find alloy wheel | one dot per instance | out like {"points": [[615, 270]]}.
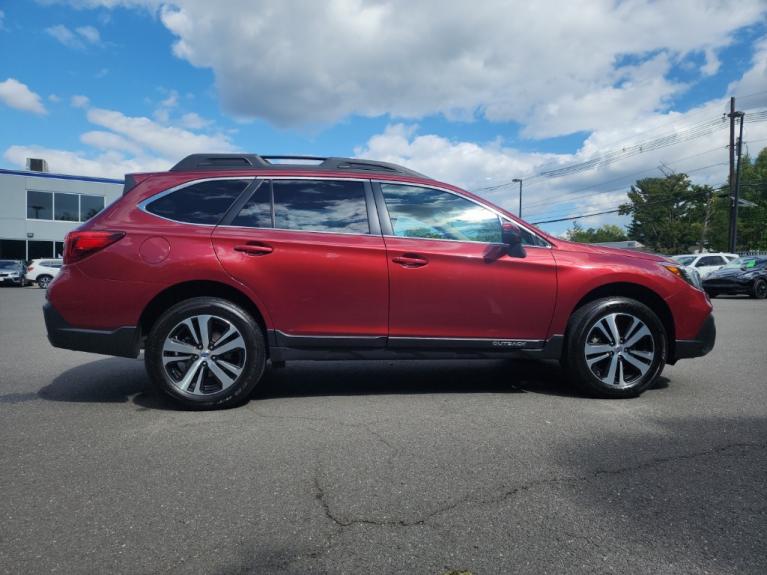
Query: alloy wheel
{"points": [[203, 354], [619, 350]]}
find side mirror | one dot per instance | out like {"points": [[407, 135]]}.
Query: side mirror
{"points": [[511, 235]]}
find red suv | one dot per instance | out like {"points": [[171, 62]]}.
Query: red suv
{"points": [[227, 261]]}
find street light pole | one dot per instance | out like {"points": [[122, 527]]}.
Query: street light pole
{"points": [[519, 213]]}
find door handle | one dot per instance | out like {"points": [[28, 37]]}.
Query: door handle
{"points": [[254, 249], [410, 261]]}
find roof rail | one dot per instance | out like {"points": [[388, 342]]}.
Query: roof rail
{"points": [[209, 162]]}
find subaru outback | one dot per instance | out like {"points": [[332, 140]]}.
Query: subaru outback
{"points": [[227, 263]]}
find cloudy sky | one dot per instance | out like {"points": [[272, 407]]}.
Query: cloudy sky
{"points": [[473, 93]]}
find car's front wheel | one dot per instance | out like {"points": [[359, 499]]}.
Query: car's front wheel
{"points": [[760, 289], [206, 353], [615, 347]]}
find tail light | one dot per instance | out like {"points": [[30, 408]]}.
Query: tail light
{"points": [[29, 268], [79, 245]]}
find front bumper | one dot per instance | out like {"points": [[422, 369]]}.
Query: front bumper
{"points": [[701, 345], [728, 286], [123, 341], [8, 280]]}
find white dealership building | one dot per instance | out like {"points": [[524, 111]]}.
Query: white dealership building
{"points": [[38, 208]]}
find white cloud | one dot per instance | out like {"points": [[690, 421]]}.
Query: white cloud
{"points": [[17, 95], [752, 86], [79, 101], [319, 62], [123, 144], [712, 63], [555, 67], [53, 98], [2, 20], [78, 39], [109, 141], [194, 121], [171, 101], [107, 165], [90, 34], [167, 141]]}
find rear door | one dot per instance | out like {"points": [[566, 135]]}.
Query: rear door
{"points": [[311, 249], [453, 281]]}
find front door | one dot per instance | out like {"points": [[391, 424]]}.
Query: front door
{"points": [[310, 252], [451, 278]]}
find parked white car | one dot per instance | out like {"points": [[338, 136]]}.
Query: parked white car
{"points": [[43, 271], [705, 263]]}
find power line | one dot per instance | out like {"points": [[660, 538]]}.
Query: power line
{"points": [[693, 132], [616, 210], [583, 197], [665, 200], [575, 193], [614, 155]]}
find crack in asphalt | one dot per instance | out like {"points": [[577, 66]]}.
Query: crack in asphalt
{"points": [[321, 494]]}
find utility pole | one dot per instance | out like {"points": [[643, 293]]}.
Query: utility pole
{"points": [[519, 213], [737, 186], [733, 202], [706, 219]]}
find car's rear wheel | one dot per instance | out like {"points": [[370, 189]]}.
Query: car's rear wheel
{"points": [[615, 348], [206, 353], [44, 281], [760, 289], [712, 294]]}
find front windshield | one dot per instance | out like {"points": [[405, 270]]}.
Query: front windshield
{"points": [[9, 265], [745, 263], [684, 260]]}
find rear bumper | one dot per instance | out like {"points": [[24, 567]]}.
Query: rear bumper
{"points": [[123, 341], [701, 345]]}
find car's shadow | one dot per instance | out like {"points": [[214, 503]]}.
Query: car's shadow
{"points": [[117, 380]]}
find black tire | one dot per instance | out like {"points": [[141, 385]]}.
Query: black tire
{"points": [[202, 392], [759, 291], [712, 294], [43, 281], [582, 325]]}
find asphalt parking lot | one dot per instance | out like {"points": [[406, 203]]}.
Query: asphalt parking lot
{"points": [[413, 467]]}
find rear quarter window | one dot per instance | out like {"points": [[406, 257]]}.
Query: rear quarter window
{"points": [[200, 203]]}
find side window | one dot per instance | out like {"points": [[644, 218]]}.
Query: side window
{"points": [[530, 239], [320, 206], [417, 212], [709, 261], [257, 211], [201, 203]]}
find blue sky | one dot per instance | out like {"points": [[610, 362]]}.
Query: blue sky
{"points": [[474, 96]]}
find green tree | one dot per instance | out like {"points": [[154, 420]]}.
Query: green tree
{"points": [[667, 214], [752, 220], [605, 233]]}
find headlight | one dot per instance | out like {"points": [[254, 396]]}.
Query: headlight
{"points": [[750, 275], [690, 275]]}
